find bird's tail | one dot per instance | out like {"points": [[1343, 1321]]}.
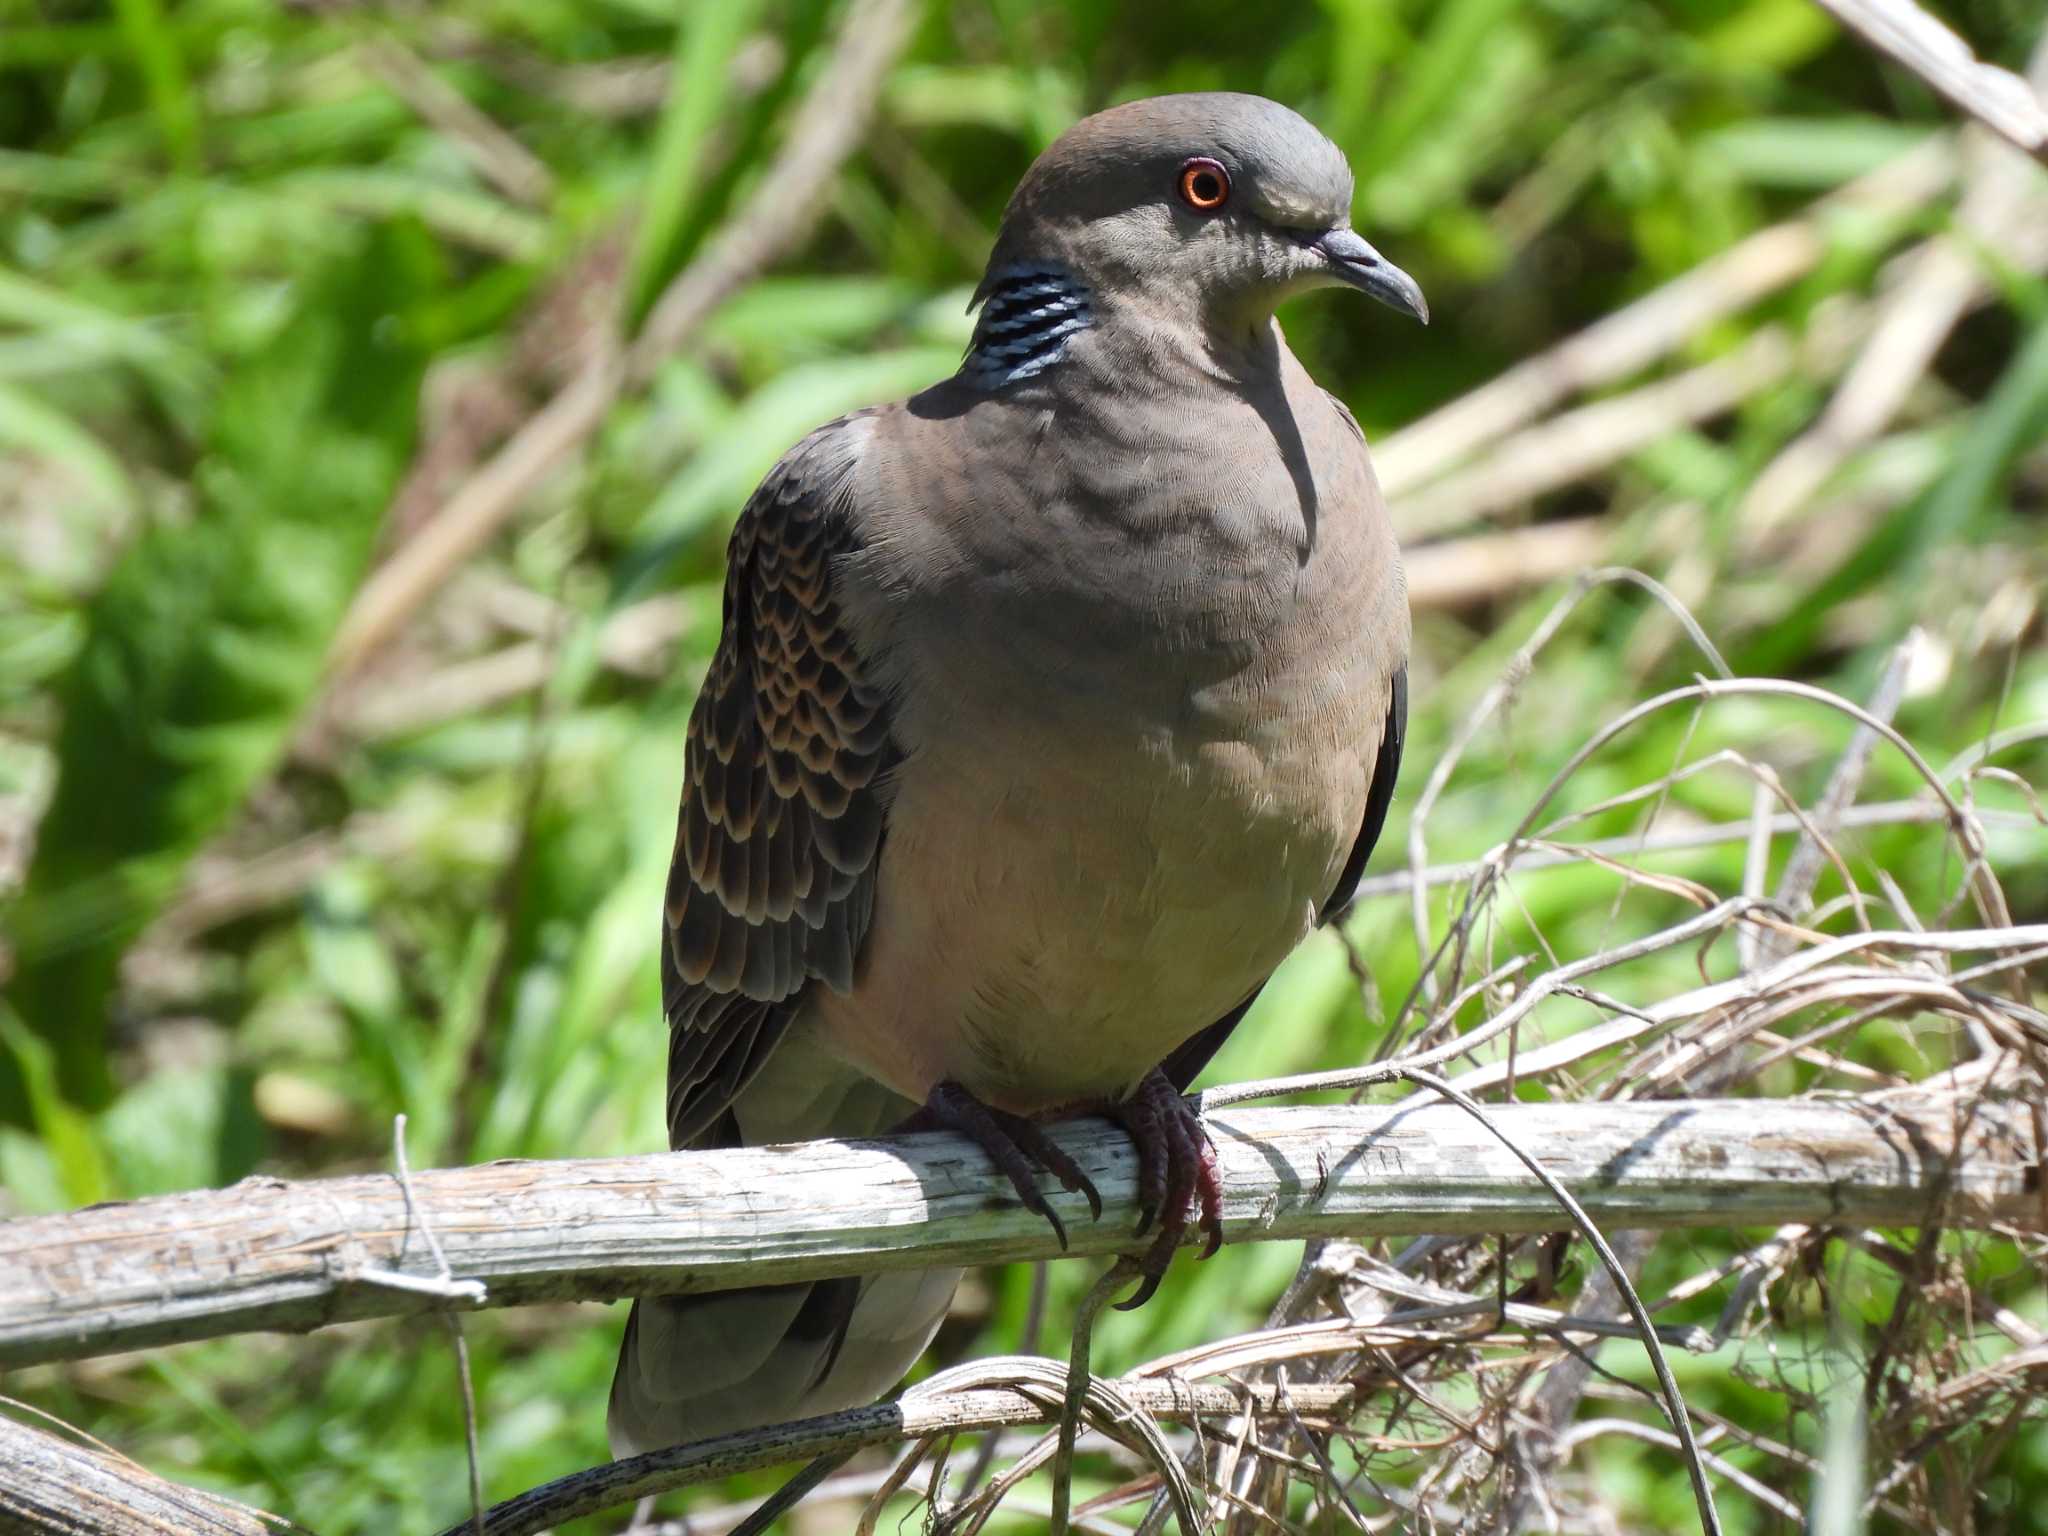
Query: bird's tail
{"points": [[696, 1366]]}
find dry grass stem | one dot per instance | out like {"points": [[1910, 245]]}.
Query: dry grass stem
{"points": [[782, 208], [1998, 98]]}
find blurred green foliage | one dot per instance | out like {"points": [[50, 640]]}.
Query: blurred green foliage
{"points": [[234, 242]]}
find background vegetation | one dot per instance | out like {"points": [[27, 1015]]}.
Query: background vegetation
{"points": [[276, 279]]}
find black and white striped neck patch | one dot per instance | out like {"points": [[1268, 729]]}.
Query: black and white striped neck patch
{"points": [[1026, 321]]}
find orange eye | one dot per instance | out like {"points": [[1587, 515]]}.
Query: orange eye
{"points": [[1204, 184]]}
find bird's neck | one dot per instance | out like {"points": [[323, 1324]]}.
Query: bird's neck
{"points": [[1031, 312]]}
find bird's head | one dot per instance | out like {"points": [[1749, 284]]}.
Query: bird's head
{"points": [[1218, 203]]}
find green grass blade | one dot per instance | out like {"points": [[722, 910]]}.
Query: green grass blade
{"points": [[66, 1133], [699, 99], [156, 53]]}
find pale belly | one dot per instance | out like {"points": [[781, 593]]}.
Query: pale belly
{"points": [[1049, 928]]}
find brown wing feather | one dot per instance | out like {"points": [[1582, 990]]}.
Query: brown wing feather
{"points": [[784, 784]]}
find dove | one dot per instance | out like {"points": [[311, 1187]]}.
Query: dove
{"points": [[1053, 708]]}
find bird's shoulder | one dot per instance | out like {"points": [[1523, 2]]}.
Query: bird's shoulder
{"points": [[812, 488]]}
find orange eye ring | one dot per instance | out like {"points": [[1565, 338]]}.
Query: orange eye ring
{"points": [[1204, 184]]}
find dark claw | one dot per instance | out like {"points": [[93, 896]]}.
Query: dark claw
{"points": [[1140, 1118], [1050, 1155], [1178, 1176], [1034, 1201], [1153, 1267], [1017, 1146], [1030, 1139], [1152, 1274]]}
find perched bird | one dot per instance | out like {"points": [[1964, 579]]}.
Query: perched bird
{"points": [[1054, 706]]}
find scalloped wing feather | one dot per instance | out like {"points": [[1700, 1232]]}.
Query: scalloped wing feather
{"points": [[784, 783]]}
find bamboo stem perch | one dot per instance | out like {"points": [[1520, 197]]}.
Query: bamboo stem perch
{"points": [[271, 1254]]}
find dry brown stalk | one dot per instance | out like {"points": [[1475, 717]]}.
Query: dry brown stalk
{"points": [[782, 209], [1933, 286], [53, 1486], [1570, 447], [1996, 97], [499, 157], [953, 1402], [1482, 567], [1654, 326]]}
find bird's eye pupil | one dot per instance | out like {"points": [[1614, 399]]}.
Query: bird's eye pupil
{"points": [[1204, 184]]}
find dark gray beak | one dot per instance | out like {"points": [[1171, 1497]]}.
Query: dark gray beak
{"points": [[1353, 261]]}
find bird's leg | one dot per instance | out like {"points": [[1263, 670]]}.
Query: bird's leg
{"points": [[1017, 1146], [1177, 1174]]}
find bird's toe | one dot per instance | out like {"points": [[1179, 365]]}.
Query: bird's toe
{"points": [[1018, 1147], [1179, 1178]]}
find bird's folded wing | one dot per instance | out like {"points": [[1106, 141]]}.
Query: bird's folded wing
{"points": [[772, 884], [1379, 799]]}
